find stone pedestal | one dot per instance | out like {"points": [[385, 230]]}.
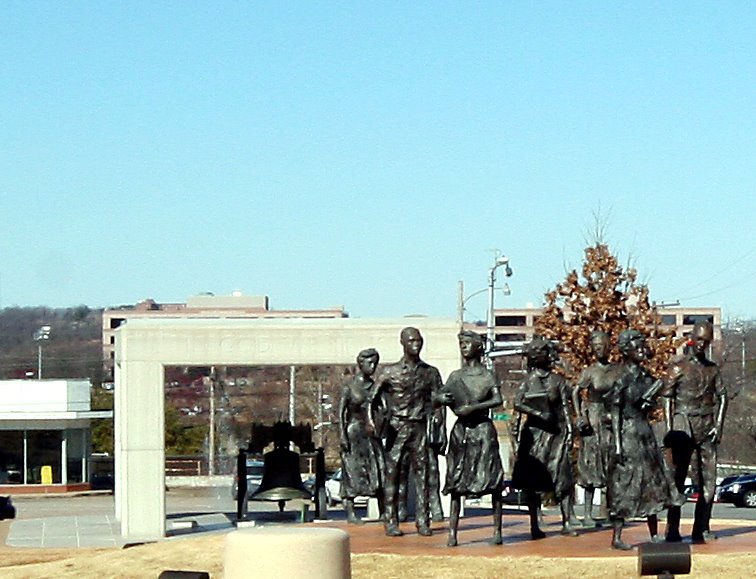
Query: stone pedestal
{"points": [[276, 552]]}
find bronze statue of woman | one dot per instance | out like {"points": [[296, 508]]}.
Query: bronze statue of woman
{"points": [[591, 399], [361, 453], [543, 461], [639, 485], [473, 466]]}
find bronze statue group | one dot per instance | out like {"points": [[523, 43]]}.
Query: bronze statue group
{"points": [[393, 422]]}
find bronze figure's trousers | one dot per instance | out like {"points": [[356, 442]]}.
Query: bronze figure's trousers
{"points": [[434, 487], [408, 439], [704, 454]]}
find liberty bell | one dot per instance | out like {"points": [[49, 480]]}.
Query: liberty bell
{"points": [[281, 480]]}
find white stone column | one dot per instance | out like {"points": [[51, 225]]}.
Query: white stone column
{"points": [[140, 484], [63, 458]]}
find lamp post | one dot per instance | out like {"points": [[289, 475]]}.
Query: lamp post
{"points": [[499, 261], [43, 333]]}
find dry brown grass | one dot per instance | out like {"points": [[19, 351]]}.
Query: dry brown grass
{"points": [[206, 553]]}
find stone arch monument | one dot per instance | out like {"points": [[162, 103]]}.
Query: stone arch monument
{"points": [[145, 346]]}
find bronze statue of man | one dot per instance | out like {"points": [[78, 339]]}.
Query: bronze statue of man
{"points": [[591, 398], [695, 404], [409, 386]]}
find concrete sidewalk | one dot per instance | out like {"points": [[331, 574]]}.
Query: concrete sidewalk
{"points": [[65, 532], [100, 530]]}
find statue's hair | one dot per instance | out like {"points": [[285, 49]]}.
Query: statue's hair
{"points": [[474, 336], [406, 331], [626, 338], [368, 353], [539, 344]]}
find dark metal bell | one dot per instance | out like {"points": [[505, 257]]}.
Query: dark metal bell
{"points": [[281, 480]]}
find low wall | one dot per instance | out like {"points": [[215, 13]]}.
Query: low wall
{"points": [[199, 481]]}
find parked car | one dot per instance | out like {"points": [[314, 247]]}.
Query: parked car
{"points": [[254, 477], [7, 510], [741, 492], [333, 491], [100, 481], [727, 480], [512, 496]]}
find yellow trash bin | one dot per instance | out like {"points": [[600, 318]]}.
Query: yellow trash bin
{"points": [[46, 475]]}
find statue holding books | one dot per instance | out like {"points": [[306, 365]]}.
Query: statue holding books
{"points": [[543, 461]]}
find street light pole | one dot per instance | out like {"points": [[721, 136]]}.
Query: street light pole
{"points": [[43, 333], [501, 260]]}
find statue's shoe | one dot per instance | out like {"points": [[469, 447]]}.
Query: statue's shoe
{"points": [[424, 531], [393, 531]]}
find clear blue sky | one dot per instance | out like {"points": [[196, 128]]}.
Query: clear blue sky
{"points": [[371, 154]]}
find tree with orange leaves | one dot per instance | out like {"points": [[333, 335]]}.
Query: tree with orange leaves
{"points": [[603, 297]]}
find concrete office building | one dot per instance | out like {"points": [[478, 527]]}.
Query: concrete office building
{"points": [[513, 325]]}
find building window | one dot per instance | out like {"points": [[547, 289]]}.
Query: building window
{"points": [[76, 454], [511, 321], [11, 457], [690, 319], [669, 320], [116, 322], [511, 337], [43, 449]]}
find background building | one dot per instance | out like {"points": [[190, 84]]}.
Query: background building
{"points": [[514, 326], [45, 441]]}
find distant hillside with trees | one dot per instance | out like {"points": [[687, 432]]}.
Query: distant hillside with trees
{"points": [[73, 349]]}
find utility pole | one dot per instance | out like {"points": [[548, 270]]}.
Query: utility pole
{"points": [[211, 453], [321, 402], [292, 393], [461, 304]]}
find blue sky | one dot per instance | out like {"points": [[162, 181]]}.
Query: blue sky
{"points": [[373, 154]]}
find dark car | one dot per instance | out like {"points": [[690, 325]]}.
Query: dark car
{"points": [[512, 496], [101, 481], [7, 510], [741, 492]]}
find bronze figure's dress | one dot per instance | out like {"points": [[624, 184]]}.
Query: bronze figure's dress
{"points": [[361, 463], [543, 453], [596, 445], [473, 461], [639, 482]]}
